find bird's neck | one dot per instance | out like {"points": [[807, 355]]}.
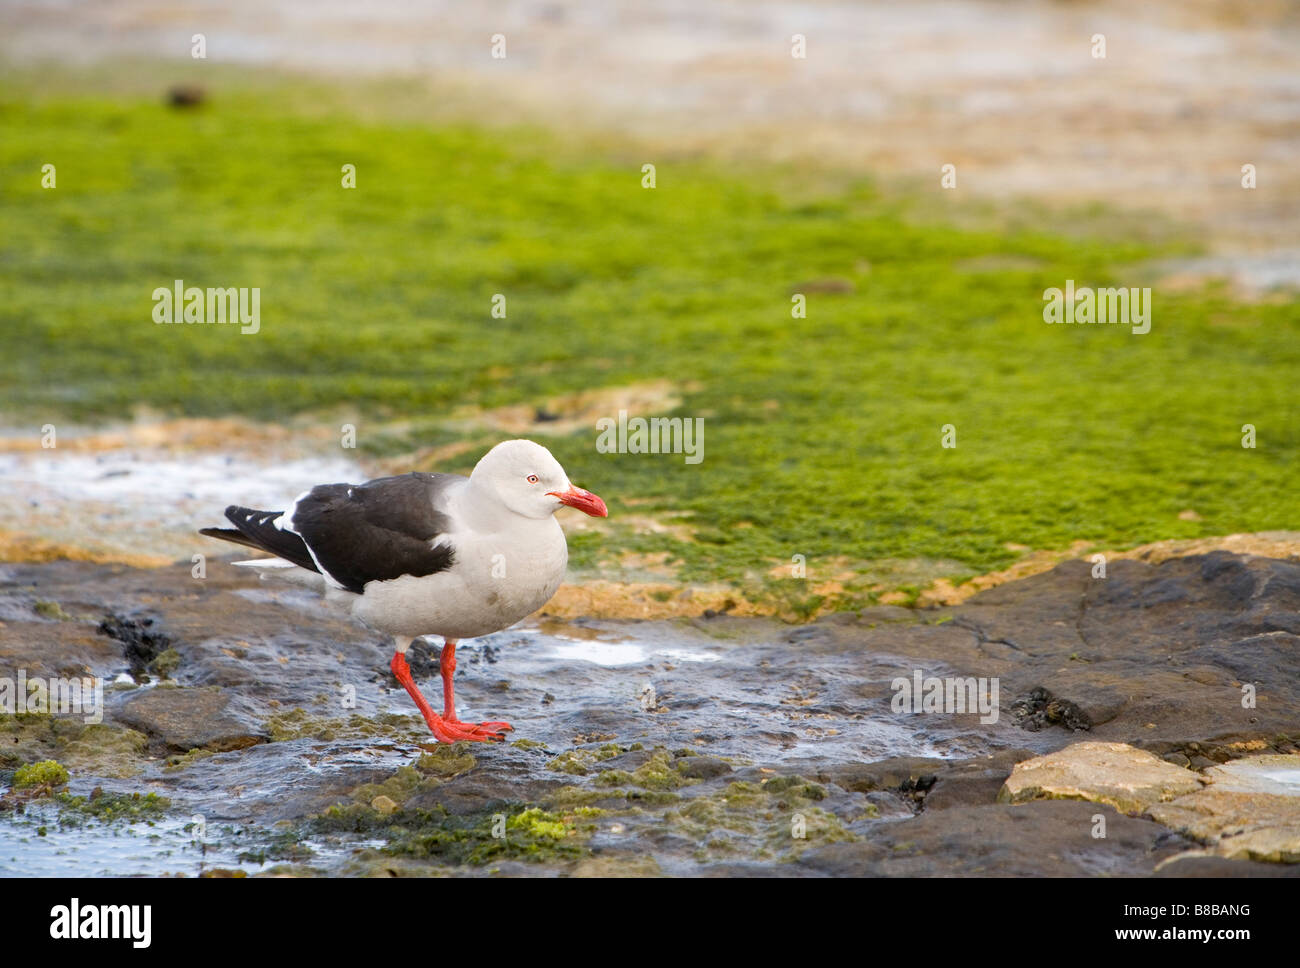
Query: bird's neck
{"points": [[478, 508]]}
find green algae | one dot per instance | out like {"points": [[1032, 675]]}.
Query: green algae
{"points": [[702, 274], [447, 759], [285, 846], [165, 663], [576, 762], [577, 797], [298, 723], [98, 749], [515, 833], [777, 818], [110, 807], [181, 761], [400, 787], [579, 761], [657, 773], [52, 610], [44, 773]]}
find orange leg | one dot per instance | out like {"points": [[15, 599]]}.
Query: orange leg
{"points": [[443, 731], [447, 666]]}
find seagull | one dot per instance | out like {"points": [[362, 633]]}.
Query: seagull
{"points": [[428, 554]]}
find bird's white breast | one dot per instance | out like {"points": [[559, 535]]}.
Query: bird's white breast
{"points": [[497, 578]]}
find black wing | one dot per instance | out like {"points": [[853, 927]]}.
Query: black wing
{"points": [[376, 531]]}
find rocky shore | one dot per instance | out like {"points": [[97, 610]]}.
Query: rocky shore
{"points": [[1145, 723]]}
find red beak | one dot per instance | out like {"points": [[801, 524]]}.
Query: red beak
{"points": [[584, 501]]}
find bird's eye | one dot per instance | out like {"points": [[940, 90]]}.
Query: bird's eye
{"points": [[532, 478]]}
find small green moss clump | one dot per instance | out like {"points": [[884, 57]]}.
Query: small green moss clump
{"points": [[108, 807], [398, 788], [166, 662], [181, 761], [795, 786], [537, 823], [45, 773], [447, 759], [656, 773], [575, 762], [52, 610]]}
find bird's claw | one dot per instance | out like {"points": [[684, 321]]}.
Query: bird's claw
{"points": [[490, 731], [453, 731]]}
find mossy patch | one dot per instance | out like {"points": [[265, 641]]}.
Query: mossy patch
{"points": [[579, 761], [298, 723], [285, 846], [45, 773], [98, 749], [777, 818], [447, 759], [51, 610], [398, 788], [166, 663], [572, 797], [111, 807], [517, 833], [657, 773], [181, 761]]}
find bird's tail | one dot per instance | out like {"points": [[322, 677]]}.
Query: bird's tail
{"points": [[256, 529]]}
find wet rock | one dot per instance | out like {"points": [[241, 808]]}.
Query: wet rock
{"points": [[887, 613], [1025, 840], [1254, 826], [788, 725], [702, 767], [974, 783], [1251, 810], [141, 642], [1279, 774], [1200, 864], [186, 719], [888, 774], [1129, 779]]}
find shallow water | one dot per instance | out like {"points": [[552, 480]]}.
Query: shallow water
{"points": [[143, 502]]}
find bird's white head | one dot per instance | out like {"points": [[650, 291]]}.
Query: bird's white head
{"points": [[529, 481]]}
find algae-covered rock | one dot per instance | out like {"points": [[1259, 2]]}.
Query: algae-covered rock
{"points": [[45, 773], [99, 749]]}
